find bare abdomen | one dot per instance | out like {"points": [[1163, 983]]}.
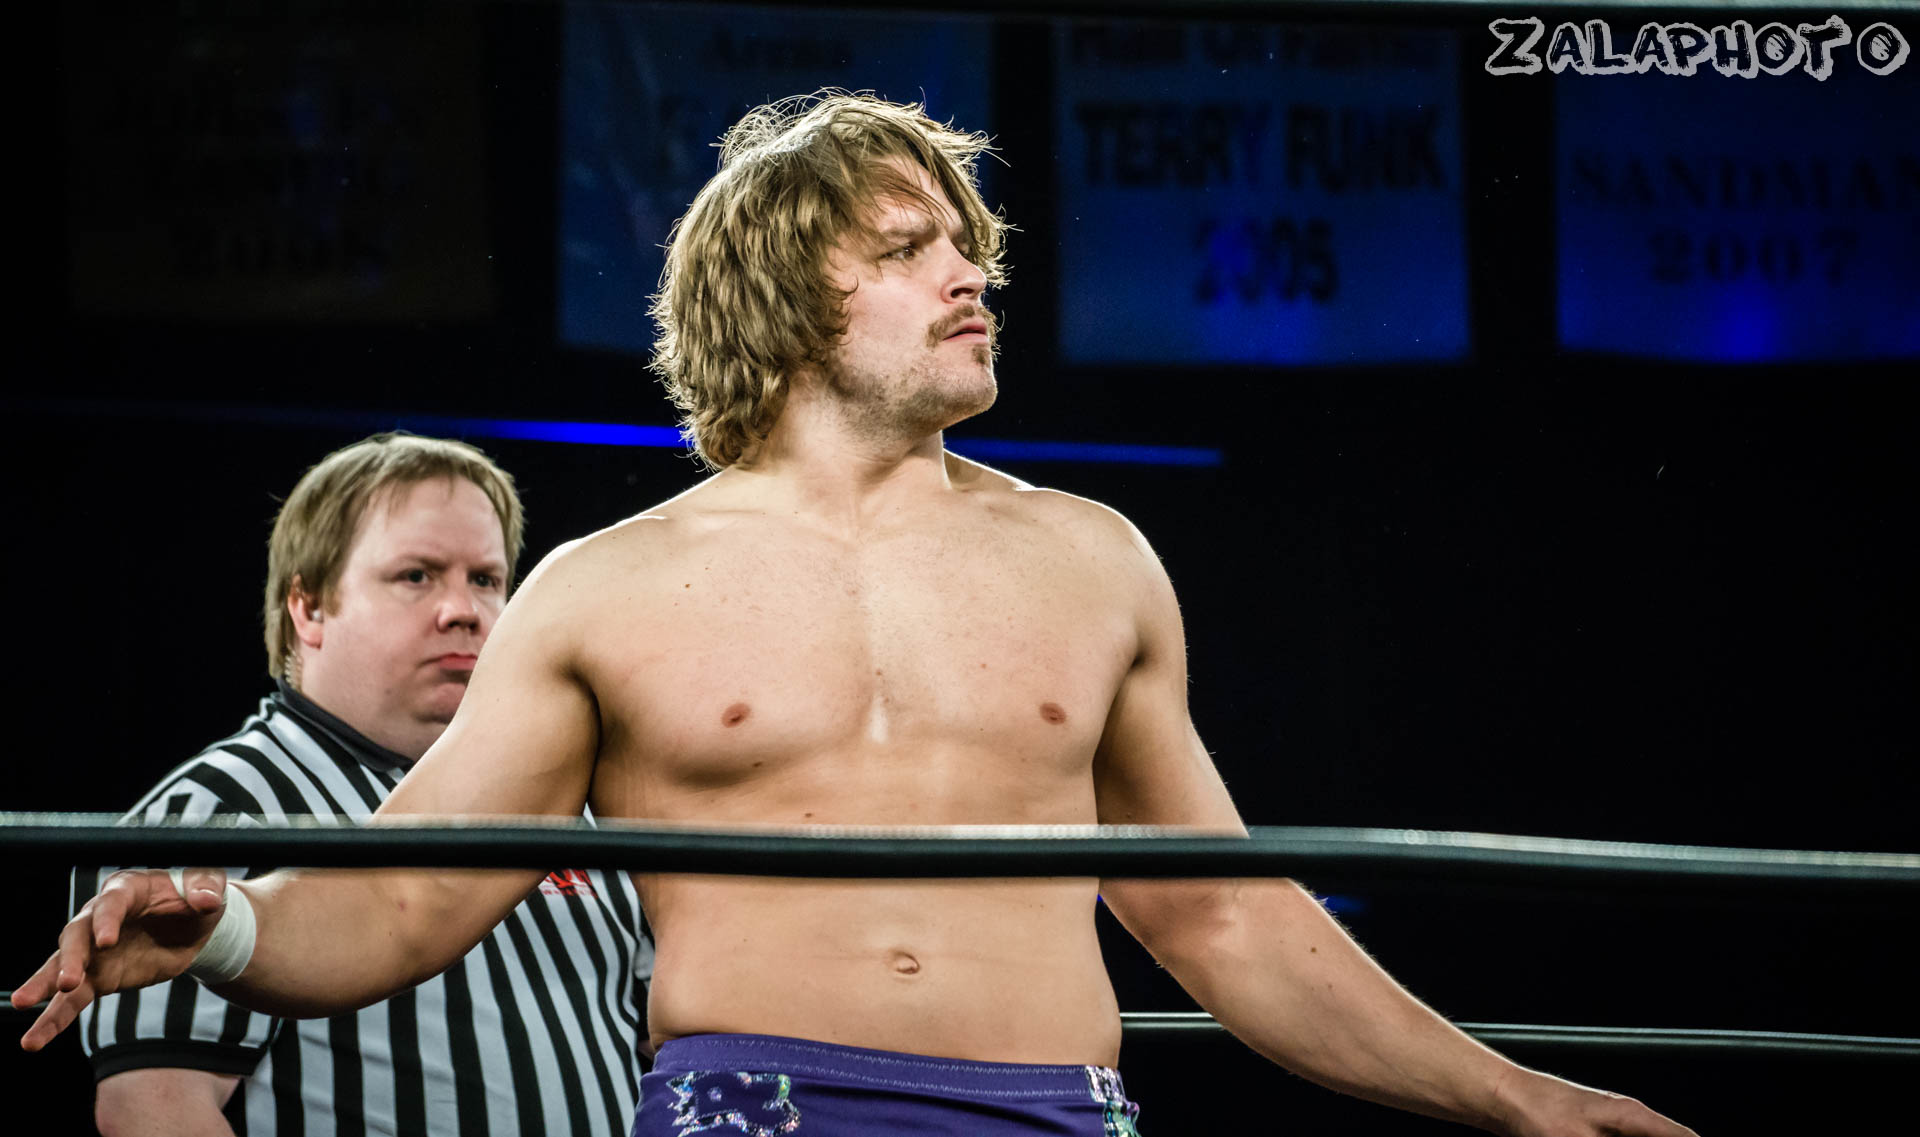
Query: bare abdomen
{"points": [[991, 971]]}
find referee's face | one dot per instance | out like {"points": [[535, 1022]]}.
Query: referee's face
{"points": [[424, 580]]}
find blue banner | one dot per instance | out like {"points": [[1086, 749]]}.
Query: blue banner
{"points": [[1729, 219], [1259, 194]]}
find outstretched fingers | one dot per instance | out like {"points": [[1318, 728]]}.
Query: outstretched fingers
{"points": [[74, 955], [40, 986], [86, 961], [65, 997], [127, 893], [105, 913], [62, 1009]]}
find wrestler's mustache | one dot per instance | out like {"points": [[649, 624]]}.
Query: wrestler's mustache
{"points": [[973, 313]]}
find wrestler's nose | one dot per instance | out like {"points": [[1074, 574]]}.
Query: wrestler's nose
{"points": [[966, 281]]}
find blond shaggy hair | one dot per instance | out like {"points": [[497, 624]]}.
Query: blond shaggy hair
{"points": [[746, 297], [316, 525]]}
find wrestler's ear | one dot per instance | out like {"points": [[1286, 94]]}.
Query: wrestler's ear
{"points": [[307, 612]]}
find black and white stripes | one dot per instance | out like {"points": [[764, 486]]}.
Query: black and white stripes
{"points": [[534, 1032]]}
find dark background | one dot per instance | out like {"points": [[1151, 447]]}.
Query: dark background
{"points": [[1532, 592]]}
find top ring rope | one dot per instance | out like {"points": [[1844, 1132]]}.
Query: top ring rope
{"points": [[61, 839]]}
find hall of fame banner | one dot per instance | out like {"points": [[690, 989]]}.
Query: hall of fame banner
{"points": [[1259, 194], [1724, 216]]}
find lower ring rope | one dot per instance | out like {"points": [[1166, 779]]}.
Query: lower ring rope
{"points": [[1633, 1039]]}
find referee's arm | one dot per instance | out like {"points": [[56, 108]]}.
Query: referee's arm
{"points": [[163, 1102]]}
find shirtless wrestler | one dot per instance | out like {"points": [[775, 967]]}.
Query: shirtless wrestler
{"points": [[847, 625]]}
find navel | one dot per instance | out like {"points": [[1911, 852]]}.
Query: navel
{"points": [[735, 715], [1053, 713], [904, 964]]}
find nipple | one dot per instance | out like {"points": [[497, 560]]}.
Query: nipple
{"points": [[735, 715], [1053, 713]]}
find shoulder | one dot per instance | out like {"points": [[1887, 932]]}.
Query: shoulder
{"points": [[1102, 525], [247, 771], [1099, 527], [1079, 529], [580, 569], [570, 592], [649, 540]]}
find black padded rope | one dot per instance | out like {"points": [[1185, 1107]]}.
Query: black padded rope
{"points": [[52, 841]]}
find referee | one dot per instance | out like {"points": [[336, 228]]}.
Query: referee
{"points": [[386, 569]]}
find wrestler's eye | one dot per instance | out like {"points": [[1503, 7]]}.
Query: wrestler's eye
{"points": [[903, 253], [485, 580], [414, 576]]}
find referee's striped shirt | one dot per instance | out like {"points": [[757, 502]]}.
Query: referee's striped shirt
{"points": [[533, 1032]]}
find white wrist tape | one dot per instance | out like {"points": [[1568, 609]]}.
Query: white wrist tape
{"points": [[226, 953]]}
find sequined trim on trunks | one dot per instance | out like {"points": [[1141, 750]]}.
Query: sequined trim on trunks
{"points": [[761, 1086]]}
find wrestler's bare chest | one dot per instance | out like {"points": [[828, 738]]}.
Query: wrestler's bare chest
{"points": [[958, 671]]}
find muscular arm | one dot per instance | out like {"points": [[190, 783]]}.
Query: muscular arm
{"points": [[1266, 959], [162, 1102], [522, 743]]}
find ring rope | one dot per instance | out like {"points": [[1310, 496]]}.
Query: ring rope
{"points": [[1643, 1040], [875, 852]]}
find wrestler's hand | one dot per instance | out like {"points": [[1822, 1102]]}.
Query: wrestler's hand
{"points": [[139, 931], [1540, 1105]]}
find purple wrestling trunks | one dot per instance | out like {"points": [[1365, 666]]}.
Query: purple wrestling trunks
{"points": [[760, 1086]]}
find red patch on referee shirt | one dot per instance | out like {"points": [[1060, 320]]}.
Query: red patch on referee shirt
{"points": [[567, 882]]}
